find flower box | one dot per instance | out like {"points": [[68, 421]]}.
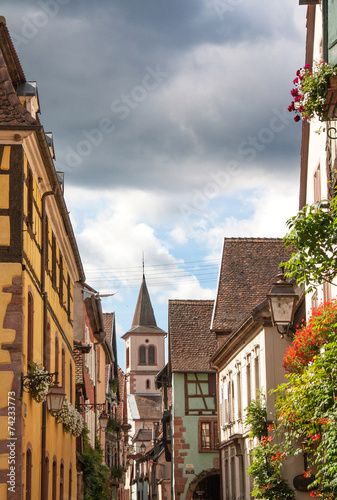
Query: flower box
{"points": [[331, 98]]}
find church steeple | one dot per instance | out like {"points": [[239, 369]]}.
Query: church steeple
{"points": [[144, 315]]}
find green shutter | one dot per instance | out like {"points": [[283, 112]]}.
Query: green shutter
{"points": [[330, 31]]}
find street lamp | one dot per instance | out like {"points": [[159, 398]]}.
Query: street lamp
{"points": [[103, 420], [282, 301], [142, 448], [55, 398]]}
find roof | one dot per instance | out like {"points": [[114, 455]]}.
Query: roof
{"points": [[190, 340], [144, 320], [13, 115], [248, 269], [144, 315], [147, 407], [12, 112], [143, 435], [108, 320]]}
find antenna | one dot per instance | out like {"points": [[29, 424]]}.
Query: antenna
{"points": [[143, 266]]}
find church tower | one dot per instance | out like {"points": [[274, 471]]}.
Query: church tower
{"points": [[144, 347]]}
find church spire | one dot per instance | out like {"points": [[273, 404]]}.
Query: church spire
{"points": [[144, 315]]}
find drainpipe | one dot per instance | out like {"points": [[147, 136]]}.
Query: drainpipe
{"points": [[44, 249]]}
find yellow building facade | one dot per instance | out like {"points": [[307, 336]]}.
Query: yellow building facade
{"points": [[39, 264]]}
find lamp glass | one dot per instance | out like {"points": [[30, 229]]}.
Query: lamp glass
{"points": [[55, 398], [282, 308], [104, 419]]}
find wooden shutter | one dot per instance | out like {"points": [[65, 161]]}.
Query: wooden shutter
{"points": [[330, 31]]}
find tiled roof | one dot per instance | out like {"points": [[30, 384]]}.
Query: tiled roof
{"points": [[12, 112], [190, 340], [108, 322], [248, 269], [149, 407], [143, 435], [144, 320], [144, 315]]}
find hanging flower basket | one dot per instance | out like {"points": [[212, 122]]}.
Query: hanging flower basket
{"points": [[71, 419], [315, 92], [40, 384]]}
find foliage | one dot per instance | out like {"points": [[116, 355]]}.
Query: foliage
{"points": [[40, 385], [71, 419], [267, 459], [310, 91], [309, 339], [313, 232], [96, 475], [307, 405], [117, 472], [114, 384], [114, 426], [256, 418]]}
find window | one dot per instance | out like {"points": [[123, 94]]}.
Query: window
{"points": [[61, 482], [257, 372], [69, 297], [317, 184], [29, 474], [53, 260], [127, 355], [238, 391], [54, 479], [30, 191], [248, 379], [57, 359], [71, 382], [208, 435], [30, 329], [61, 280], [199, 396], [142, 355], [151, 355], [46, 478], [48, 347], [70, 482], [148, 384], [63, 368]]}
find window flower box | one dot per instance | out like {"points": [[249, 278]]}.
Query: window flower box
{"points": [[315, 92]]}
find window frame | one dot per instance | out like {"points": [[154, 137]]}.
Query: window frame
{"points": [[213, 435]]}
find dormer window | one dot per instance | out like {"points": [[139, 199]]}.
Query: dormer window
{"points": [[27, 93]]}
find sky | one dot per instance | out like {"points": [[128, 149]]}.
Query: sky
{"points": [[170, 121]]}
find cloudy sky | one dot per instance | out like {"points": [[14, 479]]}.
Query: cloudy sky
{"points": [[170, 121]]}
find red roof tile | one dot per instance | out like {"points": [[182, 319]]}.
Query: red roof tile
{"points": [[190, 340], [248, 269], [12, 112], [149, 407]]}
